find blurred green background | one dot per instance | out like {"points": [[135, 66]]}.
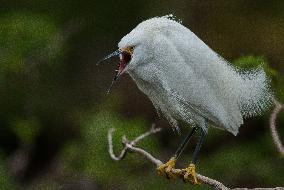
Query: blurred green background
{"points": [[55, 114]]}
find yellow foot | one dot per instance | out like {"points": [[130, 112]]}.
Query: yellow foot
{"points": [[166, 169], [189, 174]]}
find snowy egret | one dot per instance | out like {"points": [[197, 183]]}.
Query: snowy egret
{"points": [[188, 81]]}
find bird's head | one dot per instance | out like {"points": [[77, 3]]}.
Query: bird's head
{"points": [[138, 47], [135, 48]]}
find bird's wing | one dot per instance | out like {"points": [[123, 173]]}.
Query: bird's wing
{"points": [[197, 85]]}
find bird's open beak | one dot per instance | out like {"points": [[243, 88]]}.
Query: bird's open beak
{"points": [[125, 56], [115, 53]]}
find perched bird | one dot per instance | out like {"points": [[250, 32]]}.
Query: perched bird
{"points": [[187, 81]]}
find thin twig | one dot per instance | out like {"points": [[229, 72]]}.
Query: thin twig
{"points": [[153, 130], [129, 146], [272, 123], [110, 147]]}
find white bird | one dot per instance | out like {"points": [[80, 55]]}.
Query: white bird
{"points": [[186, 80]]}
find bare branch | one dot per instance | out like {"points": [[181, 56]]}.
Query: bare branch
{"points": [[129, 146], [272, 123], [110, 147], [153, 130]]}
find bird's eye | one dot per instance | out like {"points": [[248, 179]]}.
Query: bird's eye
{"points": [[131, 49]]}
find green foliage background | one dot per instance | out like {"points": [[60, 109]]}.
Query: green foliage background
{"points": [[55, 114]]}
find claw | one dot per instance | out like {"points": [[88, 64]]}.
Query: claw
{"points": [[190, 174], [166, 169]]}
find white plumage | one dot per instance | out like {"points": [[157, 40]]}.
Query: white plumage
{"points": [[186, 80]]}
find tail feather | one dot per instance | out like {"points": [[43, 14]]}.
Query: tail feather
{"points": [[254, 93]]}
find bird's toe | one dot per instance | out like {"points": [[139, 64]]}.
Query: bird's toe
{"points": [[166, 169], [189, 174]]}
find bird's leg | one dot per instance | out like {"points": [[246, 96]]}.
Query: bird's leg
{"points": [[166, 169], [189, 173]]}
